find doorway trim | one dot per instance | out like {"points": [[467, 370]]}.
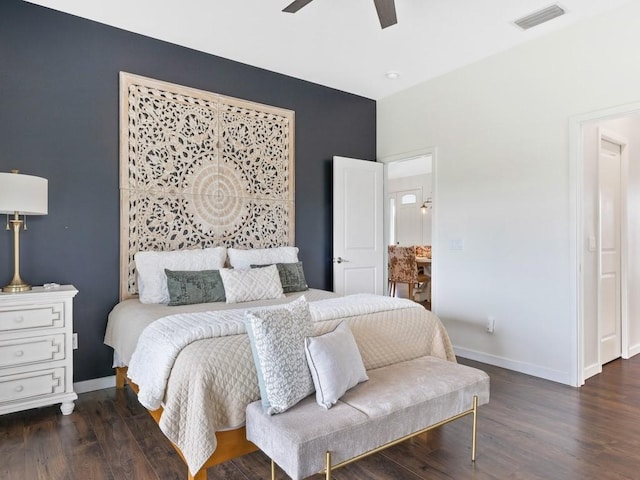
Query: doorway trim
{"points": [[408, 155], [576, 223]]}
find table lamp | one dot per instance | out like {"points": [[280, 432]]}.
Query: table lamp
{"points": [[20, 195]]}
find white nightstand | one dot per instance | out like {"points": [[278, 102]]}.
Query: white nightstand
{"points": [[36, 355]]}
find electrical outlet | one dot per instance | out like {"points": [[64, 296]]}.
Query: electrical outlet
{"points": [[491, 324], [74, 341]]}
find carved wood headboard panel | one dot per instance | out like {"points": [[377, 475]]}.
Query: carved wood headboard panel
{"points": [[198, 169]]}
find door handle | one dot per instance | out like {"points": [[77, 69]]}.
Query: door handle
{"points": [[340, 260]]}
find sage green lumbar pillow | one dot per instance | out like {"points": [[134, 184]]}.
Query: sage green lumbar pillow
{"points": [[188, 287], [291, 276]]}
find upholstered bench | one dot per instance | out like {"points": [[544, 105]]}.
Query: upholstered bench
{"points": [[397, 402]]}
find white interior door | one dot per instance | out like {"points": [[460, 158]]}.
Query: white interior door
{"points": [[358, 255], [409, 218], [610, 317]]}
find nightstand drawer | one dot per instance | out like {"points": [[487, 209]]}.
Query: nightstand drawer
{"points": [[31, 384], [34, 316], [31, 350]]}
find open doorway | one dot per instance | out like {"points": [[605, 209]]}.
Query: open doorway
{"points": [[608, 266], [409, 217], [410, 201]]}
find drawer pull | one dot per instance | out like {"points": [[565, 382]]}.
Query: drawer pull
{"points": [[19, 388], [19, 319], [18, 353]]}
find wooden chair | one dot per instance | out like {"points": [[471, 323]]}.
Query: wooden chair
{"points": [[423, 251], [403, 268]]}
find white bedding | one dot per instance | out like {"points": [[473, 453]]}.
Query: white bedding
{"points": [[161, 341], [129, 318]]}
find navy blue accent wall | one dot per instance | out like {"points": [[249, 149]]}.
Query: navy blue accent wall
{"points": [[59, 120]]}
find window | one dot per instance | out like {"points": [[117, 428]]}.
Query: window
{"points": [[408, 199]]}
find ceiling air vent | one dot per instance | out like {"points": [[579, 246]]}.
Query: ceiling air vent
{"points": [[541, 16]]}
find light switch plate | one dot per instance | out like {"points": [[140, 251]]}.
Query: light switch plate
{"points": [[456, 244]]}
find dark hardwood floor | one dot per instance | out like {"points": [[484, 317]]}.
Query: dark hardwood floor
{"points": [[531, 429]]}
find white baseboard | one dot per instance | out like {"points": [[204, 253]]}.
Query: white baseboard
{"points": [[94, 384], [522, 367], [592, 370], [634, 350]]}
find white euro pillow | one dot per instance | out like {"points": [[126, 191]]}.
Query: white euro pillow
{"points": [[152, 281], [244, 258], [335, 364]]}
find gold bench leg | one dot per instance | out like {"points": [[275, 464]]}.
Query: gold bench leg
{"points": [[328, 467], [273, 470], [474, 432]]}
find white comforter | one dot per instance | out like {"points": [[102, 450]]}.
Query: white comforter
{"points": [[162, 341], [129, 318]]}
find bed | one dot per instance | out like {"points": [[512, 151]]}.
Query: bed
{"points": [[212, 380], [207, 182]]}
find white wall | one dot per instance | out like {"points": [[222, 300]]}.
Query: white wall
{"points": [[503, 185], [628, 128]]}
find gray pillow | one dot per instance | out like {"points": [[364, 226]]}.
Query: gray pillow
{"points": [[276, 335], [291, 276], [187, 287]]}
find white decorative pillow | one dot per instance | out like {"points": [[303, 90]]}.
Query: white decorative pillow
{"points": [[335, 364], [152, 281], [255, 284], [277, 342], [239, 258]]}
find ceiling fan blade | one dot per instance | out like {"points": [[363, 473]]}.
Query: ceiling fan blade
{"points": [[386, 12], [296, 5]]}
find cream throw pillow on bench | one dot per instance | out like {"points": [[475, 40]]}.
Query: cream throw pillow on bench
{"points": [[335, 363]]}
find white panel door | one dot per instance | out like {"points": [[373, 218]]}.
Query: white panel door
{"points": [[358, 256], [409, 218], [610, 289]]}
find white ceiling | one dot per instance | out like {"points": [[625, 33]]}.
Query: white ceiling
{"points": [[337, 43]]}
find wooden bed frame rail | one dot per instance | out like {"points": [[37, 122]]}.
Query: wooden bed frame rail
{"points": [[231, 443]]}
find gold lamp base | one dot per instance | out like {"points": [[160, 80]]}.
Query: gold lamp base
{"points": [[15, 288], [17, 284]]}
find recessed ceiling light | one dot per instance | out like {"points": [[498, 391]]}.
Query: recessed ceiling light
{"points": [[391, 75]]}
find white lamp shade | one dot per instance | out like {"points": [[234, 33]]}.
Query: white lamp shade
{"points": [[24, 194]]}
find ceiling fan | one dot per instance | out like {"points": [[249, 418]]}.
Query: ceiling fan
{"points": [[386, 10]]}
